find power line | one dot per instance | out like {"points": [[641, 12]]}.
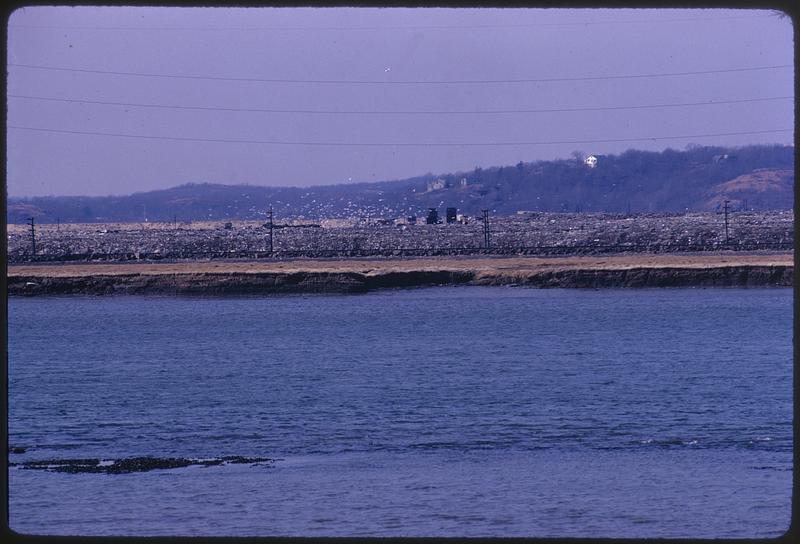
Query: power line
{"points": [[401, 112], [395, 27], [396, 144], [401, 82]]}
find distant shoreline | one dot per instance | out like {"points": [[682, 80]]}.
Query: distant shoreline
{"points": [[261, 277]]}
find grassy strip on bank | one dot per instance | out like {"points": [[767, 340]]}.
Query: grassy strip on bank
{"points": [[376, 266]]}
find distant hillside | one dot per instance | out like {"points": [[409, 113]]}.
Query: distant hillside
{"points": [[697, 179], [761, 189]]}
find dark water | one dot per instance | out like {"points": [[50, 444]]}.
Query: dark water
{"points": [[443, 412]]}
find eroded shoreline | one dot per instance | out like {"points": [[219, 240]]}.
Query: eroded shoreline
{"points": [[363, 275]]}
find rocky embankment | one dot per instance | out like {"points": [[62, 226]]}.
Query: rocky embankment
{"points": [[348, 277]]}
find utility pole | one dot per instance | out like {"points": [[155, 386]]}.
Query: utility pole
{"points": [[726, 221], [486, 243], [33, 236], [270, 230]]}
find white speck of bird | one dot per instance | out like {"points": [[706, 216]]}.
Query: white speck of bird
{"points": [[387, 69]]}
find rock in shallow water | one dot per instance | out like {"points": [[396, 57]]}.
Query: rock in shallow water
{"points": [[135, 464]]}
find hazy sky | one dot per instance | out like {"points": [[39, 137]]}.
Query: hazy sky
{"points": [[117, 100]]}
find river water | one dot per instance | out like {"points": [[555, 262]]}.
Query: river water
{"points": [[449, 411]]}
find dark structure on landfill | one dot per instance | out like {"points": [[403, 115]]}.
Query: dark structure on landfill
{"points": [[433, 217], [451, 215]]}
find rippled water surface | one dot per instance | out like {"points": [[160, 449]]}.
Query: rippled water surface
{"points": [[443, 412]]}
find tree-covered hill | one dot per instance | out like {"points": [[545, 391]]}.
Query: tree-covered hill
{"points": [[696, 179]]}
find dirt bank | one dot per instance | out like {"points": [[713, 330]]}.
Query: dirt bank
{"points": [[353, 276]]}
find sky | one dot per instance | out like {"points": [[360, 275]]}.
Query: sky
{"points": [[116, 100]]}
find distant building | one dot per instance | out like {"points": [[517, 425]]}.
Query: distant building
{"points": [[724, 157], [463, 182], [435, 185], [412, 220], [451, 215], [590, 161]]}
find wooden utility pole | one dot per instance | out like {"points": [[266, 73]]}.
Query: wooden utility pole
{"points": [[271, 227], [486, 240], [726, 221], [33, 236]]}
